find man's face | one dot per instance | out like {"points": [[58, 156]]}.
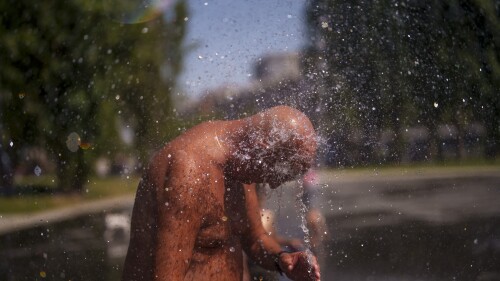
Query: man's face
{"points": [[278, 168], [276, 156]]}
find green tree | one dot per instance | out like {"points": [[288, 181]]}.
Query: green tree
{"points": [[395, 64], [73, 67]]}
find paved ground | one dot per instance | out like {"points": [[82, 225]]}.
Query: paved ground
{"points": [[404, 224], [372, 197], [390, 224]]}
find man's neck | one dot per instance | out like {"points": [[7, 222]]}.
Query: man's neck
{"points": [[231, 136]]}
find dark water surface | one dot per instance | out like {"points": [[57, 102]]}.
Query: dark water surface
{"points": [[398, 229]]}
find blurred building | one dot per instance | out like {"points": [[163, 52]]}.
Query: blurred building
{"points": [[277, 81]]}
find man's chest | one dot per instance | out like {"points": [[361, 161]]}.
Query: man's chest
{"points": [[223, 220]]}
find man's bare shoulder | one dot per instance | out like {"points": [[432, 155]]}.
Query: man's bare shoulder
{"points": [[184, 166]]}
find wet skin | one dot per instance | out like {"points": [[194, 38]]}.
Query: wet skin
{"points": [[194, 214]]}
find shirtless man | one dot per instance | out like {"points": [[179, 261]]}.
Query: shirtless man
{"points": [[196, 208]]}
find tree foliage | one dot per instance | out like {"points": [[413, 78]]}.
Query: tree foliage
{"points": [[392, 65], [73, 66]]}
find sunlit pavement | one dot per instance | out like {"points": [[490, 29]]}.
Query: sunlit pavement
{"points": [[399, 224]]}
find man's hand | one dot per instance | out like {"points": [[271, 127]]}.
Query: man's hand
{"points": [[295, 244], [299, 265]]}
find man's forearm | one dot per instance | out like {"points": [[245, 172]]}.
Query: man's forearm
{"points": [[264, 251]]}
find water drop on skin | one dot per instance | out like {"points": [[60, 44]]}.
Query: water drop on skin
{"points": [[231, 249]]}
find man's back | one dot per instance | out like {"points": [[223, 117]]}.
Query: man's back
{"points": [[186, 183]]}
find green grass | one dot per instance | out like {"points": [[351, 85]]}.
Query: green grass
{"points": [[33, 194]]}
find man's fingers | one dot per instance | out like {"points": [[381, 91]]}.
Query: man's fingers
{"points": [[311, 261], [300, 266], [317, 272], [289, 262]]}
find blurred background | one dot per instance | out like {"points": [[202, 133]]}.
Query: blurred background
{"points": [[405, 96]]}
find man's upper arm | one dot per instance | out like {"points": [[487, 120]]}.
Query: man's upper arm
{"points": [[252, 209], [179, 220], [255, 229], [256, 241]]}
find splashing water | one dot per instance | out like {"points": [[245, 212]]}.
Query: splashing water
{"points": [[303, 209]]}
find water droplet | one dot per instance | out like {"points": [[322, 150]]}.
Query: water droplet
{"points": [[324, 24], [73, 142], [38, 171], [169, 155], [436, 104], [11, 143], [145, 30], [166, 204], [231, 249], [224, 218]]}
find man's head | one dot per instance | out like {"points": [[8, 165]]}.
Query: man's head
{"points": [[277, 145]]}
